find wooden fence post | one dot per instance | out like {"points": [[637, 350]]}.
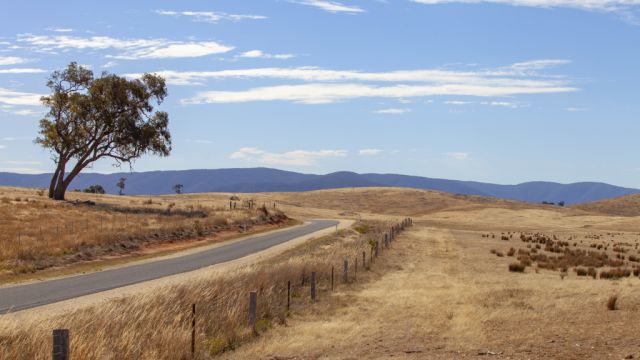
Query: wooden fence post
{"points": [[355, 270], [332, 267], [288, 294], [193, 331], [60, 344], [364, 259], [253, 305], [313, 286], [345, 272]]}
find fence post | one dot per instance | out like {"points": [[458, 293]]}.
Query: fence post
{"points": [[345, 274], [355, 270], [364, 259], [332, 277], [193, 330], [288, 294], [60, 344], [253, 305], [313, 286]]}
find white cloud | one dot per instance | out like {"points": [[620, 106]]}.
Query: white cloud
{"points": [[261, 55], [22, 71], [330, 6], [20, 162], [457, 102], [131, 49], [393, 111], [198, 141], [576, 109], [12, 60], [290, 158], [210, 16], [60, 30], [329, 93], [369, 152], [22, 170], [10, 97], [507, 104], [3, 147], [109, 64], [460, 156], [591, 5]]}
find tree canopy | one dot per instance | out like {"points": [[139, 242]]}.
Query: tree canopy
{"points": [[109, 117]]}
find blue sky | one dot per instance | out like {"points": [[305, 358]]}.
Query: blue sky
{"points": [[502, 91]]}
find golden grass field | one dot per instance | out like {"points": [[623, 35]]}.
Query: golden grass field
{"points": [[40, 234], [440, 292]]}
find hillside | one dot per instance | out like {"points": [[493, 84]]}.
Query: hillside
{"points": [[623, 206], [273, 180]]}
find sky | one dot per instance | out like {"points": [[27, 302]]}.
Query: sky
{"points": [[502, 91]]}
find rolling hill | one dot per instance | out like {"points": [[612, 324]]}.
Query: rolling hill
{"points": [[270, 180]]}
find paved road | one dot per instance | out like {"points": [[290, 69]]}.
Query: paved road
{"points": [[22, 297]]}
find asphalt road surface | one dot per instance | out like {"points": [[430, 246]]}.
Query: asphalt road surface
{"points": [[20, 297]]}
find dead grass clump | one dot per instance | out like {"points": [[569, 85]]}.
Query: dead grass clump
{"points": [[581, 271], [511, 252], [516, 267]]}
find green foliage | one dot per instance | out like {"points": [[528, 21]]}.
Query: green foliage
{"points": [[373, 243], [89, 119], [94, 189]]}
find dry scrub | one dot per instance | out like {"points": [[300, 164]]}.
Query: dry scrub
{"points": [[38, 233], [157, 326]]}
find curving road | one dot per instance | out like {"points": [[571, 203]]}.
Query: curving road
{"points": [[20, 297]]}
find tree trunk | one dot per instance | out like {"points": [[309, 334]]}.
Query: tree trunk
{"points": [[54, 181], [59, 192]]}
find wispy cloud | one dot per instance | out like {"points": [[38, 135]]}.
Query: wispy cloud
{"points": [[20, 162], [130, 49], [199, 141], [22, 170], [459, 156], [521, 74], [12, 60], [591, 5], [392, 111], [626, 9], [22, 71], [330, 6], [60, 30], [259, 54], [212, 17], [289, 158], [10, 97], [576, 109], [329, 93], [3, 146], [369, 152]]}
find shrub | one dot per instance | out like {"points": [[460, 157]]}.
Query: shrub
{"points": [[516, 267], [612, 303], [581, 272], [511, 252]]}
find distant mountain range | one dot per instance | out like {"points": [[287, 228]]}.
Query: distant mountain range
{"points": [[270, 180]]}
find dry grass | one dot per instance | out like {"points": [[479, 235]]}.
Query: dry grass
{"points": [[439, 294], [161, 326], [38, 233]]}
